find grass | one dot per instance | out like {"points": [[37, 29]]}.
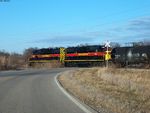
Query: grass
{"points": [[110, 90], [52, 64]]}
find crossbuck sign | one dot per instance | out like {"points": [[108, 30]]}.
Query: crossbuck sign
{"points": [[107, 44]]}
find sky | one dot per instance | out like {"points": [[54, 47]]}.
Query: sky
{"points": [[52, 23]]}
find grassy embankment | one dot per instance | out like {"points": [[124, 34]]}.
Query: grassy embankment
{"points": [[112, 90]]}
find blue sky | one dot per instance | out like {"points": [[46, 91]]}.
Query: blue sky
{"points": [[50, 23]]}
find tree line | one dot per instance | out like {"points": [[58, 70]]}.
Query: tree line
{"points": [[14, 60]]}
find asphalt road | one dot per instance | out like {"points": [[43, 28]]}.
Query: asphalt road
{"points": [[33, 91]]}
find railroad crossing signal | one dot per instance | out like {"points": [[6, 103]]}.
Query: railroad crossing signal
{"points": [[107, 55]]}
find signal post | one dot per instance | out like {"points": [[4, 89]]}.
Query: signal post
{"points": [[107, 55]]}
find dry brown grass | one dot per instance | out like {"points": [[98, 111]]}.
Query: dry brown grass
{"points": [[52, 64], [110, 90]]}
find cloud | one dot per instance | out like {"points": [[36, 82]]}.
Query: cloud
{"points": [[135, 37], [141, 24], [60, 40], [133, 30], [91, 33]]}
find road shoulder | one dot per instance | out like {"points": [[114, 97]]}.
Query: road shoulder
{"points": [[81, 105]]}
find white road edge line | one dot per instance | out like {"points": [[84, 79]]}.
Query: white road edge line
{"points": [[70, 97]]}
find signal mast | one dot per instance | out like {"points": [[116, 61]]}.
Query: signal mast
{"points": [[107, 56]]}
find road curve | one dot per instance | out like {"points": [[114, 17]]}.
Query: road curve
{"points": [[33, 91]]}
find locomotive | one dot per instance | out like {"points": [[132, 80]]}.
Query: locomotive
{"points": [[86, 55]]}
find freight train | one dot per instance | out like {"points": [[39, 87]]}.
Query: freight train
{"points": [[72, 56], [93, 55], [138, 56]]}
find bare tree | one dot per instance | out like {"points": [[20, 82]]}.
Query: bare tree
{"points": [[16, 61], [115, 44], [27, 53], [4, 60], [146, 42]]}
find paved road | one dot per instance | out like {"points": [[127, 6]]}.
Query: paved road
{"points": [[33, 91]]}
